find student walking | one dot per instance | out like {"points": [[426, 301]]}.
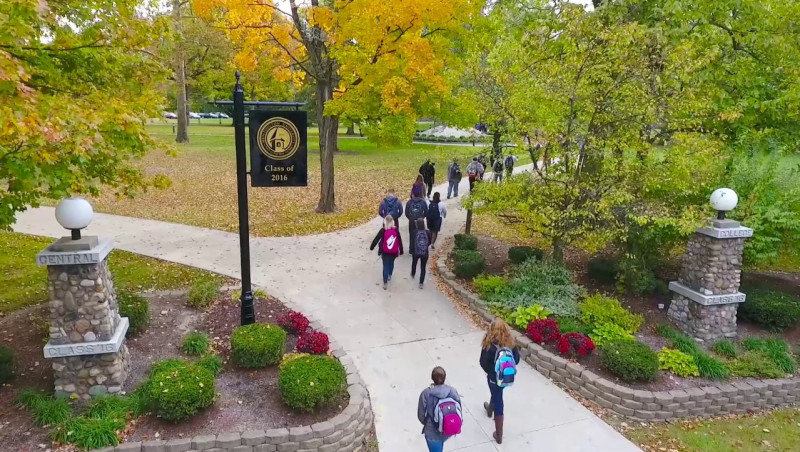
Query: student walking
{"points": [[416, 208], [453, 178], [422, 240], [497, 170], [499, 359], [391, 206], [418, 189], [436, 214], [474, 172], [439, 411], [428, 173], [390, 245], [509, 164]]}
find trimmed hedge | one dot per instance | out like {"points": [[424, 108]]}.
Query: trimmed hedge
{"points": [[629, 360], [466, 242], [178, 389], [519, 254], [212, 363], [771, 309], [257, 345], [603, 269], [136, 309], [467, 264], [309, 382]]}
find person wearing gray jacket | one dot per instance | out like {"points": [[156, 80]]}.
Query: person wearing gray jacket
{"points": [[428, 399]]}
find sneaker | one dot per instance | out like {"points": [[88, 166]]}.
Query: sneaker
{"points": [[412, 275], [433, 247], [420, 285], [390, 277], [384, 286]]}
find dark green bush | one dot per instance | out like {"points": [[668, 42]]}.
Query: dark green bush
{"points": [[257, 345], [629, 360], [136, 309], [211, 362], [466, 242], [89, 433], [309, 382], [467, 264], [724, 348], [572, 325], [519, 254], [45, 409], [711, 368], [6, 365], [179, 389], [196, 344], [604, 270], [202, 293], [770, 309]]}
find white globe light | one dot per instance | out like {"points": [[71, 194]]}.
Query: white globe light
{"points": [[74, 213], [724, 199]]}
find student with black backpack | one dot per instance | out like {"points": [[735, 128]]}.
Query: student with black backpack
{"points": [[436, 214], [499, 359], [439, 411], [453, 178], [416, 208], [422, 240], [509, 164]]}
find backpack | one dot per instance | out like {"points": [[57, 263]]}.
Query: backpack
{"points": [[498, 166], [447, 416], [472, 170], [505, 367], [457, 172], [433, 213], [421, 243], [417, 210], [391, 243], [509, 162]]}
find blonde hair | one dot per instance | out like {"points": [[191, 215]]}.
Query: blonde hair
{"points": [[499, 334], [388, 222]]}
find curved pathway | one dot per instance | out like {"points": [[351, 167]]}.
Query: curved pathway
{"points": [[395, 337]]}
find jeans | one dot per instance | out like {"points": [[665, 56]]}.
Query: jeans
{"points": [[471, 184], [423, 260], [388, 266], [497, 398], [498, 176], [429, 183], [434, 446], [452, 187]]}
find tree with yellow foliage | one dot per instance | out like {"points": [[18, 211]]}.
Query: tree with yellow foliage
{"points": [[376, 62]]}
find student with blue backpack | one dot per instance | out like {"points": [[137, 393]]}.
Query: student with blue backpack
{"points": [[390, 245], [439, 411], [499, 359]]}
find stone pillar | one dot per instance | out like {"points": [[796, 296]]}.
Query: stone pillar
{"points": [[706, 296], [87, 334]]}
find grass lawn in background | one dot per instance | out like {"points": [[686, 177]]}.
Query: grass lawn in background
{"points": [[203, 191], [25, 283], [776, 431]]}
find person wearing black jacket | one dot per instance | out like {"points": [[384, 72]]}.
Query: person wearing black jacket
{"points": [[498, 336], [428, 172], [389, 251], [416, 208]]}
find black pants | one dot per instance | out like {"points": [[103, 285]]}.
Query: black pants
{"points": [[423, 260], [412, 227], [429, 183]]}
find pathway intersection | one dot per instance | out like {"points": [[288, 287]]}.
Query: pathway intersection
{"points": [[395, 337]]}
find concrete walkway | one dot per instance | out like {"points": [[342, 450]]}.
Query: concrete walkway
{"points": [[395, 337]]}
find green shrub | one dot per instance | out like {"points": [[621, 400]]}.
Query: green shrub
{"points": [[755, 364], [309, 382], [636, 277], [603, 269], [107, 407], [523, 316], [196, 344], [724, 348], [466, 242], [519, 254], [548, 284], [202, 293], [609, 332], [213, 363], [136, 309], [45, 409], [6, 365], [572, 325], [677, 362], [178, 391], [776, 350], [488, 285], [467, 264], [89, 433], [257, 345], [708, 366], [631, 361], [598, 310], [711, 368], [667, 331], [770, 309]]}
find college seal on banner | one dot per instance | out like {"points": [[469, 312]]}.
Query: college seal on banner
{"points": [[278, 138]]}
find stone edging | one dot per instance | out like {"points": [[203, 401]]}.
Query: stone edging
{"points": [[344, 432], [722, 398]]}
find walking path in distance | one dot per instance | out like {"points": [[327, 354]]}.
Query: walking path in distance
{"points": [[395, 337]]}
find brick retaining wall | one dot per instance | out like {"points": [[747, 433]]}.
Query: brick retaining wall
{"points": [[725, 397]]}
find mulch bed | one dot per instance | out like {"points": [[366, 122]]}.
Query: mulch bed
{"points": [[247, 399]]}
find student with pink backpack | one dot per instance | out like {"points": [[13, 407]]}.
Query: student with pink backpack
{"points": [[390, 245], [439, 411]]}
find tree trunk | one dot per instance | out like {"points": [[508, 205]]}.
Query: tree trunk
{"points": [[558, 250], [182, 135], [351, 130], [497, 145], [328, 145]]}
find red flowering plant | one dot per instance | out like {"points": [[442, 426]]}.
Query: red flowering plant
{"points": [[575, 344], [293, 322], [314, 342], [543, 330]]}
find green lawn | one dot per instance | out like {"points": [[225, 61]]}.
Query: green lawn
{"points": [[776, 431], [25, 283]]}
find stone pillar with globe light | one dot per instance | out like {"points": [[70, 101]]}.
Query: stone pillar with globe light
{"points": [[706, 296], [87, 335]]}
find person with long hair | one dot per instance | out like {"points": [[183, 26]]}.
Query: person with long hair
{"points": [[390, 245], [418, 189], [498, 337]]}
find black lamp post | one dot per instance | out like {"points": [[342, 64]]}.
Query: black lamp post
{"points": [[248, 311]]}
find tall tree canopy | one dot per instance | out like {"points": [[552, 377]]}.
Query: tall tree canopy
{"points": [[372, 61], [75, 88]]}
